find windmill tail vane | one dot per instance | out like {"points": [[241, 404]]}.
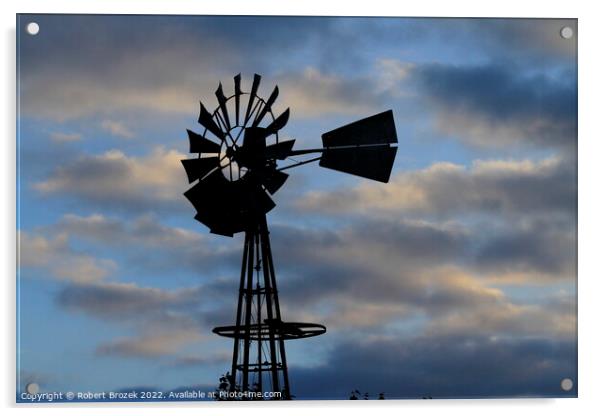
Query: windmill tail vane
{"points": [[239, 165]]}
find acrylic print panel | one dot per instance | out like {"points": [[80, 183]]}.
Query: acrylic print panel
{"points": [[379, 208]]}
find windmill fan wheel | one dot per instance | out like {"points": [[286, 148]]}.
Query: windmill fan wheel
{"points": [[236, 165]]}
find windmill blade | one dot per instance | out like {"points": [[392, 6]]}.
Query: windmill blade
{"points": [[214, 206], [372, 162], [280, 150], [221, 99], [252, 95], [237, 94], [199, 167], [267, 107], [201, 194], [273, 180], [206, 120], [377, 129], [228, 207], [263, 202], [278, 123], [200, 144], [240, 206]]}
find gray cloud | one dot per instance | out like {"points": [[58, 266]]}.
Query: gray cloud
{"points": [[508, 188], [160, 65], [114, 180], [120, 301], [202, 360], [370, 276], [163, 324], [378, 271], [61, 137], [497, 105], [544, 247], [151, 346], [533, 42], [173, 248], [442, 367]]}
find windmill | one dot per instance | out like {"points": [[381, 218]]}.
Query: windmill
{"points": [[237, 169]]}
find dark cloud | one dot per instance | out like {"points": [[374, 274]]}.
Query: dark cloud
{"points": [[498, 104], [442, 367], [530, 42]]}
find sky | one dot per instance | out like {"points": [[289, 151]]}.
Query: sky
{"points": [[455, 279]]}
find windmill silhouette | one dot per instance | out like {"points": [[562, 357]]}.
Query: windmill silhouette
{"points": [[235, 172]]}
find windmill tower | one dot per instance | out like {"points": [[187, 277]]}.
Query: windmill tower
{"points": [[235, 172]]}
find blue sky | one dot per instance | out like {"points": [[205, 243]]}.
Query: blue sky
{"points": [[464, 263]]}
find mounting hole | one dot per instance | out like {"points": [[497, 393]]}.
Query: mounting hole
{"points": [[566, 384], [32, 388], [32, 28], [566, 33]]}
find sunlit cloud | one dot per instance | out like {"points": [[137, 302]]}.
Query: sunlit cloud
{"points": [[55, 258], [117, 180]]}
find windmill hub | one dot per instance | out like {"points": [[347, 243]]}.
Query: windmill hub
{"points": [[241, 141], [230, 152]]}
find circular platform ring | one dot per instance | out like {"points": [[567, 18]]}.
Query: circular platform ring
{"points": [[281, 330]]}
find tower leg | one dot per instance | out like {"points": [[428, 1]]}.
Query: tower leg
{"points": [[261, 365]]}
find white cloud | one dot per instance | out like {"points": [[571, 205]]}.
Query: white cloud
{"points": [[117, 128]]}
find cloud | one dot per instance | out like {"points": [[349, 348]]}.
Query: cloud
{"points": [[65, 137], [496, 105], [148, 346], [312, 93], [114, 180], [370, 276], [161, 323], [173, 248], [377, 271], [121, 301], [541, 248], [145, 230], [165, 66], [161, 67], [117, 128], [501, 187], [202, 360], [532, 41], [457, 366], [56, 258]]}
